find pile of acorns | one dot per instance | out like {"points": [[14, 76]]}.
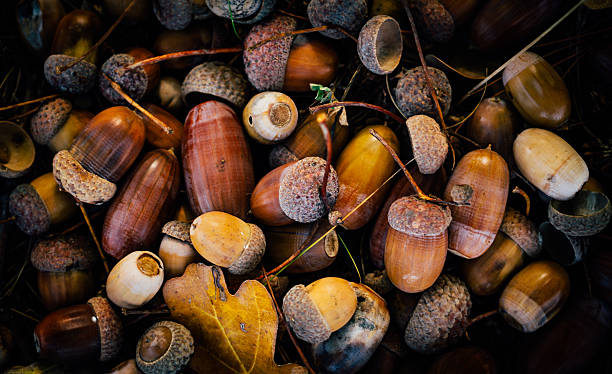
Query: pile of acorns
{"points": [[218, 152]]}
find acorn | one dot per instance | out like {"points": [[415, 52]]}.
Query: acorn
{"points": [[166, 347], [135, 279], [537, 91], [40, 204], [193, 37], [65, 270], [380, 45], [228, 241], [349, 349], [270, 117], [135, 82], [287, 64], [80, 333], [348, 15], [291, 192], [474, 226], [433, 20], [37, 21], [586, 214], [412, 92], [534, 295], [216, 80], [76, 33], [173, 14], [440, 316], [56, 124], [100, 155], [17, 150], [563, 248], [315, 311], [168, 94], [175, 249], [158, 138], [138, 13], [464, 360], [217, 161], [362, 167], [429, 145], [241, 11], [549, 163]]}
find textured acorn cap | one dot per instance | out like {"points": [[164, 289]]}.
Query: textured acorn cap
{"points": [[349, 15], [79, 79], [265, 65], [440, 317], [239, 8], [380, 44], [522, 231], [304, 317], [252, 253], [173, 14], [266, 7], [299, 191], [412, 92], [417, 217], [178, 230], [587, 213], [177, 355], [518, 64], [86, 187], [134, 82], [48, 120], [30, 211], [64, 253], [110, 327], [280, 155], [433, 20], [214, 79], [429, 144]]}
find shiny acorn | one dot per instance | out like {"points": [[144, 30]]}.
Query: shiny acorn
{"points": [[135, 279], [158, 138], [270, 117], [175, 249]]}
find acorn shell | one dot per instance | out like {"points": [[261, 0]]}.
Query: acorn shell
{"points": [[429, 145], [520, 229], [270, 117], [380, 45], [217, 80], [173, 14], [175, 358], [77, 80], [47, 121], [265, 65], [412, 92], [349, 15], [433, 20], [17, 150], [135, 279], [110, 327], [416, 217], [64, 253], [586, 214]]}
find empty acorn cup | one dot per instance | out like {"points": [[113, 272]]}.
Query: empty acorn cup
{"points": [[380, 45], [588, 213], [563, 248], [16, 150], [214, 80]]}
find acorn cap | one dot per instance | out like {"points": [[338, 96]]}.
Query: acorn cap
{"points": [[280, 155], [412, 92], [133, 81], [587, 213], [299, 191], [440, 317], [417, 217], [177, 355], [48, 120], [251, 254], [429, 144], [79, 79], [266, 7], [64, 253], [173, 14], [349, 15], [265, 65], [522, 231], [17, 150], [433, 20], [178, 230], [518, 64], [30, 211], [380, 44], [238, 8], [111, 330], [214, 79], [86, 187], [304, 317], [379, 282]]}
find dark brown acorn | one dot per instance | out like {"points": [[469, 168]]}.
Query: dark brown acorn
{"points": [[158, 138], [193, 37], [37, 21]]}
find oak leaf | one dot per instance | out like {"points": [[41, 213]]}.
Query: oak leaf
{"points": [[233, 333]]}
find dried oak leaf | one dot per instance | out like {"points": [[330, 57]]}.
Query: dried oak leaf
{"points": [[233, 333]]}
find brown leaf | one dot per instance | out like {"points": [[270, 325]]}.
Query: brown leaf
{"points": [[233, 333]]}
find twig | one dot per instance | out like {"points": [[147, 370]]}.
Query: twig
{"points": [[292, 15], [464, 75], [391, 96], [526, 197], [6, 220], [93, 235], [175, 55], [29, 102], [377, 108], [322, 121], [24, 315]]}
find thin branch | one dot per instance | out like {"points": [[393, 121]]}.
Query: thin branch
{"points": [[175, 55], [519, 191], [29, 102]]}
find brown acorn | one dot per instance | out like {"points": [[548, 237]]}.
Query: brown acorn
{"points": [[17, 150], [348, 15], [433, 20], [166, 347], [81, 332], [65, 270], [270, 117], [215, 80], [412, 92], [175, 249], [193, 37], [37, 21], [217, 161], [380, 45], [159, 138]]}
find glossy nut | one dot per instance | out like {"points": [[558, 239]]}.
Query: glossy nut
{"points": [[380, 45], [135, 279], [16, 150], [270, 117], [158, 138], [175, 249]]}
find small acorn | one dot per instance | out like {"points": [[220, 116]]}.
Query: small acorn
{"points": [[175, 249], [166, 347], [168, 94], [173, 14], [17, 150], [228, 241], [65, 270], [270, 117], [81, 332], [412, 92], [434, 21], [214, 79], [135, 279], [429, 145], [322, 307], [380, 45], [348, 15]]}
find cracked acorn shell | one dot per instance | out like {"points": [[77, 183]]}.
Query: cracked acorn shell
{"points": [[322, 307], [440, 316], [270, 117], [429, 145], [228, 241], [175, 249], [135, 279], [349, 15], [214, 80], [380, 44], [165, 348], [17, 151], [136, 82]]}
